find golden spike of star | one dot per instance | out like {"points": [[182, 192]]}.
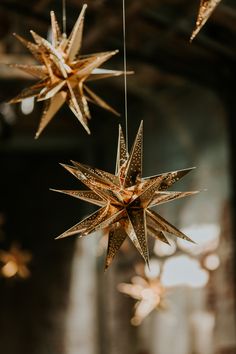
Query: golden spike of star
{"points": [[125, 200], [205, 10], [63, 73], [149, 294]]}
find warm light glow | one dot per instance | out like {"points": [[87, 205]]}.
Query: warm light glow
{"points": [[14, 262], [161, 249], [206, 237], [9, 269], [149, 293], [27, 105], [154, 269], [183, 271], [144, 308], [212, 262]]}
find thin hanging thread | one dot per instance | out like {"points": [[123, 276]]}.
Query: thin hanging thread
{"points": [[125, 74], [64, 16]]}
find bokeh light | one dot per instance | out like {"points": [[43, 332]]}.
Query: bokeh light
{"points": [[206, 236], [183, 271]]}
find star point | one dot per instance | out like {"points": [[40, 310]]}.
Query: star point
{"points": [[205, 10]]}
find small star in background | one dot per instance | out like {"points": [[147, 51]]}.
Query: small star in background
{"points": [[150, 295], [15, 262]]}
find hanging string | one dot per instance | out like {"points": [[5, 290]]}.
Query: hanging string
{"points": [[125, 74], [64, 16]]}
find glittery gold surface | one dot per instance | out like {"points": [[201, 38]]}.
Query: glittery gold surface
{"points": [[125, 200], [63, 73], [205, 11]]}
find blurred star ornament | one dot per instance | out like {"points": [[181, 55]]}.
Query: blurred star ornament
{"points": [[125, 200], [15, 262], [150, 295], [205, 11], [62, 72]]}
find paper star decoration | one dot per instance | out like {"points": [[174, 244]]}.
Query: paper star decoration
{"points": [[125, 200], [205, 11], [149, 293], [63, 73], [15, 262]]}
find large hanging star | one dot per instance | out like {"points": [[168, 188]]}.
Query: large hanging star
{"points": [[205, 11], [125, 200], [63, 72], [149, 294]]}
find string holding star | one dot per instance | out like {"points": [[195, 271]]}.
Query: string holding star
{"points": [[205, 10], [63, 73], [125, 200]]}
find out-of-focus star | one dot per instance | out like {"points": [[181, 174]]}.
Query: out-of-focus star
{"points": [[15, 262], [149, 293], [125, 200], [63, 73], [205, 11]]}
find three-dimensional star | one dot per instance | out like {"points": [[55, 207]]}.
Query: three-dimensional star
{"points": [[205, 11], [150, 295], [63, 72], [125, 200]]}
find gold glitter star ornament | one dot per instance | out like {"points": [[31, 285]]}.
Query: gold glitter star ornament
{"points": [[63, 73], [205, 11], [125, 200]]}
